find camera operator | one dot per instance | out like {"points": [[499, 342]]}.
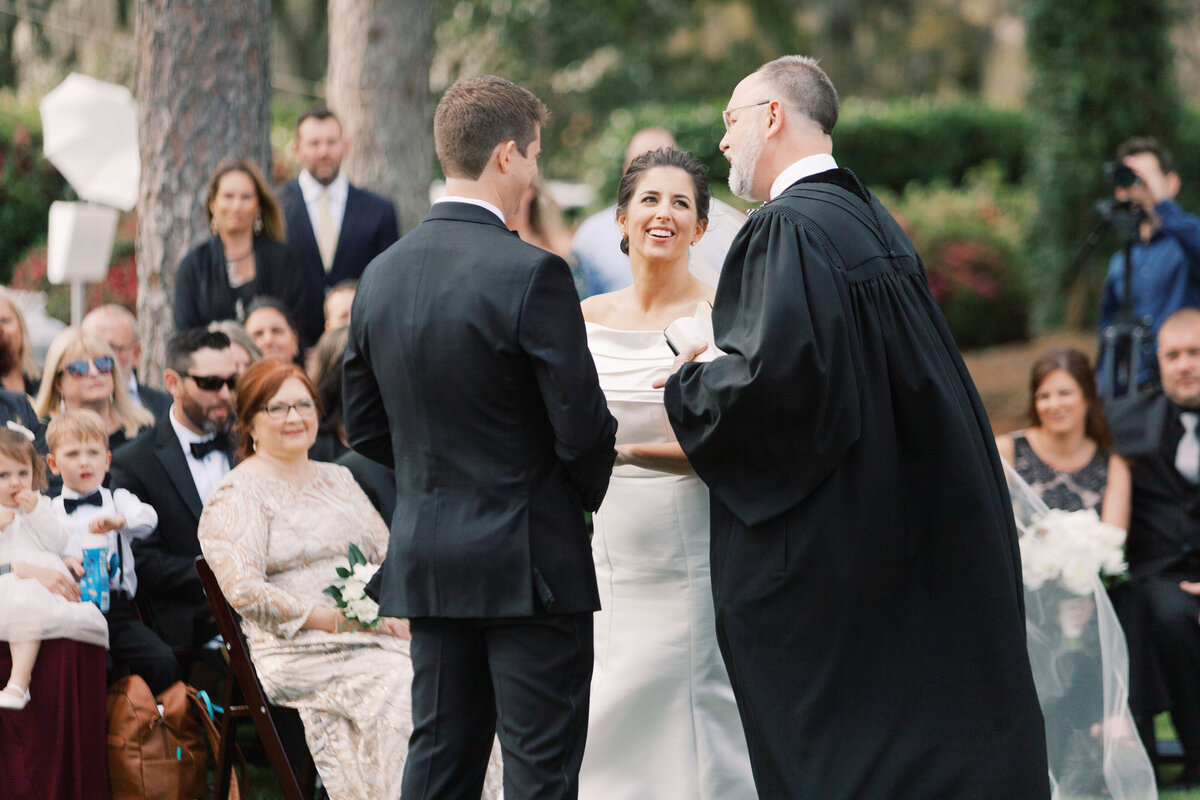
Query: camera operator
{"points": [[1166, 251]]}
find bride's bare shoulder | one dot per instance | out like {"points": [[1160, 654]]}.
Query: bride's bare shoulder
{"points": [[601, 308]]}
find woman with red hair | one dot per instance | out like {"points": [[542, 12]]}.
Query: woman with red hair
{"points": [[274, 533]]}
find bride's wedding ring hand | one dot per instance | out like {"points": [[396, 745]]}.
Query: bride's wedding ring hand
{"points": [[681, 359]]}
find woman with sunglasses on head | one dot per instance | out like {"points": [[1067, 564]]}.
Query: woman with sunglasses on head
{"points": [[274, 533], [82, 372]]}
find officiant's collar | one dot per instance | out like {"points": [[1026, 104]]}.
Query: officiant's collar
{"points": [[809, 165], [475, 202]]}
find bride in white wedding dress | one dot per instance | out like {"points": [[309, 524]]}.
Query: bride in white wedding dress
{"points": [[663, 721]]}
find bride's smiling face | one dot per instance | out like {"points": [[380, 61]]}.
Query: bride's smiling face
{"points": [[661, 219]]}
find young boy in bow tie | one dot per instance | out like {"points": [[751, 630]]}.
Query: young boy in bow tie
{"points": [[78, 452]]}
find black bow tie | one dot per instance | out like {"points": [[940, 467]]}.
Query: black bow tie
{"points": [[93, 499], [218, 442]]}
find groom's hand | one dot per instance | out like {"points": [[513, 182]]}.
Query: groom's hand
{"points": [[681, 359]]}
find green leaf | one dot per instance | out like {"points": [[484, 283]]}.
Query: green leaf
{"points": [[356, 556], [342, 572]]}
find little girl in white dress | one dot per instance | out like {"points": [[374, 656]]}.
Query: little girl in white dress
{"points": [[31, 536]]}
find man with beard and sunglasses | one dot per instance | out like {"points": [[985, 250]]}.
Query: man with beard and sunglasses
{"points": [[865, 570], [174, 467]]}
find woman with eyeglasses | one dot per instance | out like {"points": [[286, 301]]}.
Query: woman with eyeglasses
{"points": [[274, 532], [81, 371]]}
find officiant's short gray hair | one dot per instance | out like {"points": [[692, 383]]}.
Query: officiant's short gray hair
{"points": [[805, 87]]}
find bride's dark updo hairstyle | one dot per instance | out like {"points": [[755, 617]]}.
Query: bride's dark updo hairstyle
{"points": [[664, 157]]}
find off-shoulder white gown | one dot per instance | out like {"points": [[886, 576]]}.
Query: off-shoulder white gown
{"points": [[274, 547], [663, 722]]}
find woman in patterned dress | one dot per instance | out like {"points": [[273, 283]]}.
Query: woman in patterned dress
{"points": [[1064, 454]]}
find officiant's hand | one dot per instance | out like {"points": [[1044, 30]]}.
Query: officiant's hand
{"points": [[681, 359]]}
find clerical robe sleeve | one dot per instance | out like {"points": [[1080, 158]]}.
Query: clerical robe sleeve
{"points": [[766, 423]]}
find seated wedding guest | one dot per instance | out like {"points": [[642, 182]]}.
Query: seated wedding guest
{"points": [[79, 454], [245, 257], [115, 324], [174, 467], [338, 303], [325, 371], [82, 372], [274, 533], [18, 372], [52, 731], [272, 329], [245, 351], [1065, 454], [1156, 431]]}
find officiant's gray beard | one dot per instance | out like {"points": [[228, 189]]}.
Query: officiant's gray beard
{"points": [[742, 169]]}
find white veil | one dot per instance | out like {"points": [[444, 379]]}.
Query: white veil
{"points": [[1081, 671]]}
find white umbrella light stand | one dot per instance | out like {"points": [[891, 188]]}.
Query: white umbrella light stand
{"points": [[89, 133]]}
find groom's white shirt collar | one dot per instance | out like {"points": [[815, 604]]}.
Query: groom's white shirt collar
{"points": [[473, 201]]}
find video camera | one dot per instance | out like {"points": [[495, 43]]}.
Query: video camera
{"points": [[1125, 216], [1124, 344]]}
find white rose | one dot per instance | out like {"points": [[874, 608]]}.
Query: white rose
{"points": [[1078, 575], [354, 588], [364, 609], [364, 572]]}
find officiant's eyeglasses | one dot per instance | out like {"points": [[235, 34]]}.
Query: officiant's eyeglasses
{"points": [[79, 368], [727, 114], [212, 383]]}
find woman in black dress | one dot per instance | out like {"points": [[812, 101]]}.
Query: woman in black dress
{"points": [[246, 256]]}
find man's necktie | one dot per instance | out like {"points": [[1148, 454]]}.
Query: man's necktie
{"points": [[72, 503], [1187, 456], [326, 233], [218, 442]]}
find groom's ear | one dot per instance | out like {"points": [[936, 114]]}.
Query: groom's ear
{"points": [[502, 154]]}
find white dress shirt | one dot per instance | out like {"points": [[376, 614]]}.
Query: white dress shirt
{"points": [[140, 521], [474, 202], [207, 472], [312, 189], [809, 165]]}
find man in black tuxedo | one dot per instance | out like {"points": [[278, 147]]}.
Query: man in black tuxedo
{"points": [[116, 325], [334, 227], [174, 467], [468, 372], [1156, 431]]}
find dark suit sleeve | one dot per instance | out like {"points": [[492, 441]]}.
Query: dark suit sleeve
{"points": [[363, 411], [551, 331], [388, 232], [187, 292], [159, 571]]}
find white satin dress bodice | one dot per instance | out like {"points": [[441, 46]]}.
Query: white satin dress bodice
{"points": [[663, 722]]}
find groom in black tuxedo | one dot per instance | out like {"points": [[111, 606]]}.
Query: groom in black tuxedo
{"points": [[467, 370]]}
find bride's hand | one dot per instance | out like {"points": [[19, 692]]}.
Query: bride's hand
{"points": [[391, 626], [624, 455], [681, 359]]}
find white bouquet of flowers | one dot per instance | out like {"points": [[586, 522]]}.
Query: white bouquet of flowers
{"points": [[350, 593], [1071, 547]]}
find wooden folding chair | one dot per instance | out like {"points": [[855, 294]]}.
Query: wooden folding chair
{"points": [[244, 697]]}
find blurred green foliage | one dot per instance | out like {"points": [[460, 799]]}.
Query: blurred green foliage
{"points": [[28, 183], [1103, 72]]}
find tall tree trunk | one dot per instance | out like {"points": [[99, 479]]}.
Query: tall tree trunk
{"points": [[378, 85], [204, 94]]}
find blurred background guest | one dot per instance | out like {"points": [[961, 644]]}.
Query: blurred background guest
{"points": [[245, 257], [116, 325], [338, 303], [1065, 454], [82, 372], [539, 221], [245, 351], [18, 371], [272, 329]]}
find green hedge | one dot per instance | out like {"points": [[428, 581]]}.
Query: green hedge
{"points": [[28, 184]]}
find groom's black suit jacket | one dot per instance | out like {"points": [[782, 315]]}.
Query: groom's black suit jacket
{"points": [[467, 370]]}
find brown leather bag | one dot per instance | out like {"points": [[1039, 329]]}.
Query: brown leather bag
{"points": [[153, 756]]}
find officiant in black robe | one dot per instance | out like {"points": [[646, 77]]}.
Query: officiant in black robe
{"points": [[864, 558]]}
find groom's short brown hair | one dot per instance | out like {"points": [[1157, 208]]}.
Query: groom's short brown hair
{"points": [[475, 115]]}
